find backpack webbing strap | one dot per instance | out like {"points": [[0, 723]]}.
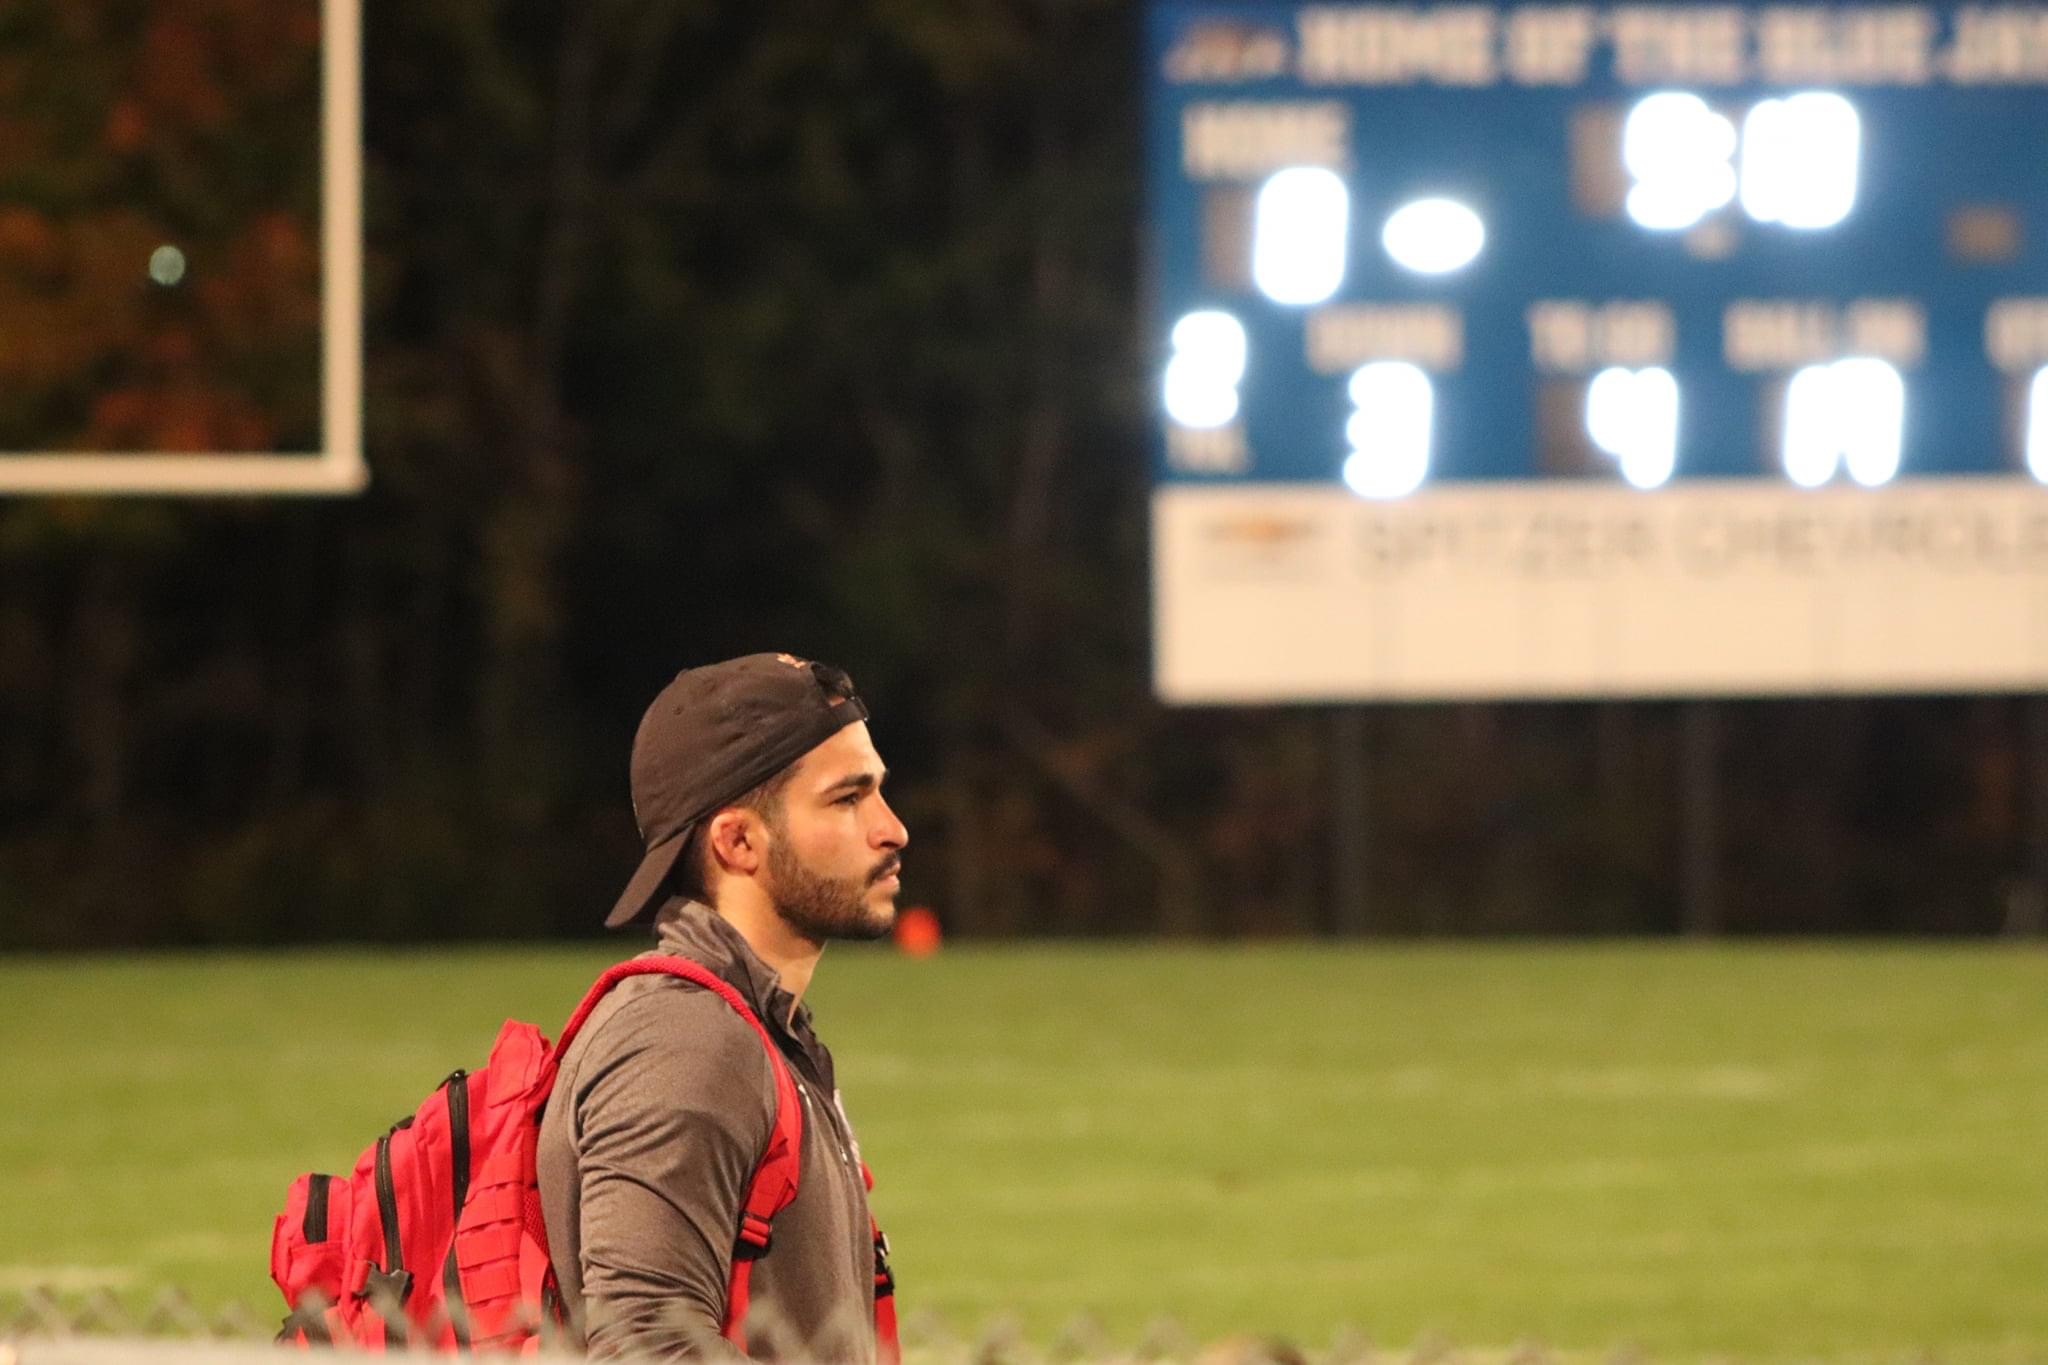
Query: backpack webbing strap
{"points": [[888, 1343], [774, 1180]]}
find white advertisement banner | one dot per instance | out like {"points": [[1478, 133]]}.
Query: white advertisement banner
{"points": [[1304, 593]]}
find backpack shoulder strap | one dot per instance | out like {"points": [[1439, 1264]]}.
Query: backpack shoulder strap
{"points": [[664, 965], [774, 1180]]}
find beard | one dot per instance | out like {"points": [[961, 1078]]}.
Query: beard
{"points": [[823, 908]]}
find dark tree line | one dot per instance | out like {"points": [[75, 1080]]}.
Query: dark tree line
{"points": [[702, 329]]}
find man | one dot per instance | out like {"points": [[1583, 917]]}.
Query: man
{"points": [[759, 796]]}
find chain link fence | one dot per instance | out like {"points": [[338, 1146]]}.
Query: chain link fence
{"points": [[51, 1327]]}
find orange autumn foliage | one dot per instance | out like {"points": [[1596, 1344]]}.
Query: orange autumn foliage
{"points": [[130, 127]]}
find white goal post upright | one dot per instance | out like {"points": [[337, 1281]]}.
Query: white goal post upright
{"points": [[337, 468]]}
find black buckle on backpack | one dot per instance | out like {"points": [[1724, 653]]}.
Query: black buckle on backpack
{"points": [[885, 1278], [754, 1238], [386, 1293], [381, 1286], [307, 1324]]}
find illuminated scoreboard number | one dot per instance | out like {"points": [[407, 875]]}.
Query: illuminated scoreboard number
{"points": [[1793, 160], [1834, 382], [1298, 213], [2016, 340], [1608, 401]]}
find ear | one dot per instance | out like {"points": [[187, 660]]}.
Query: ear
{"points": [[736, 840]]}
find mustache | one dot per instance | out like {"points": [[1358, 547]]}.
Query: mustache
{"points": [[888, 867]]}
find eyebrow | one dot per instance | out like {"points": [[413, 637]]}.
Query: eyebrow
{"points": [[860, 782]]}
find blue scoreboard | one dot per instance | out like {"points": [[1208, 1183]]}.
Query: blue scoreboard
{"points": [[1562, 349]]}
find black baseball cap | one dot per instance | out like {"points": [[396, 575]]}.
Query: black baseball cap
{"points": [[714, 734]]}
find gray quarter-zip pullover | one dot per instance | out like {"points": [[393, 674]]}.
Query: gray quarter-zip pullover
{"points": [[660, 1112]]}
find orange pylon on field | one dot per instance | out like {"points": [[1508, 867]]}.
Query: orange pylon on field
{"points": [[917, 932]]}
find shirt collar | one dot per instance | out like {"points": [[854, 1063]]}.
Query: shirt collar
{"points": [[694, 930]]}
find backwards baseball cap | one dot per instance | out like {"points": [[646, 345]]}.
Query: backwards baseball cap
{"points": [[714, 734]]}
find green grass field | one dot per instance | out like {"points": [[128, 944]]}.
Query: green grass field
{"points": [[1770, 1152]]}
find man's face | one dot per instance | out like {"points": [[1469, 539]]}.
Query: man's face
{"points": [[835, 846]]}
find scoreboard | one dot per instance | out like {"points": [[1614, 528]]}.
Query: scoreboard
{"points": [[1569, 350]]}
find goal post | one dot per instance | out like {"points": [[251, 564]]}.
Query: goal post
{"points": [[337, 466]]}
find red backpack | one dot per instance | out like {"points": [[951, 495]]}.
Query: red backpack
{"points": [[436, 1241]]}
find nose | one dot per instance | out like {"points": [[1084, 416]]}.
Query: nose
{"points": [[889, 832]]}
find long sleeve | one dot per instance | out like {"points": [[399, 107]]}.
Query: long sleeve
{"points": [[670, 1116]]}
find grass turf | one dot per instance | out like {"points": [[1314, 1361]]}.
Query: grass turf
{"points": [[1774, 1152]]}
